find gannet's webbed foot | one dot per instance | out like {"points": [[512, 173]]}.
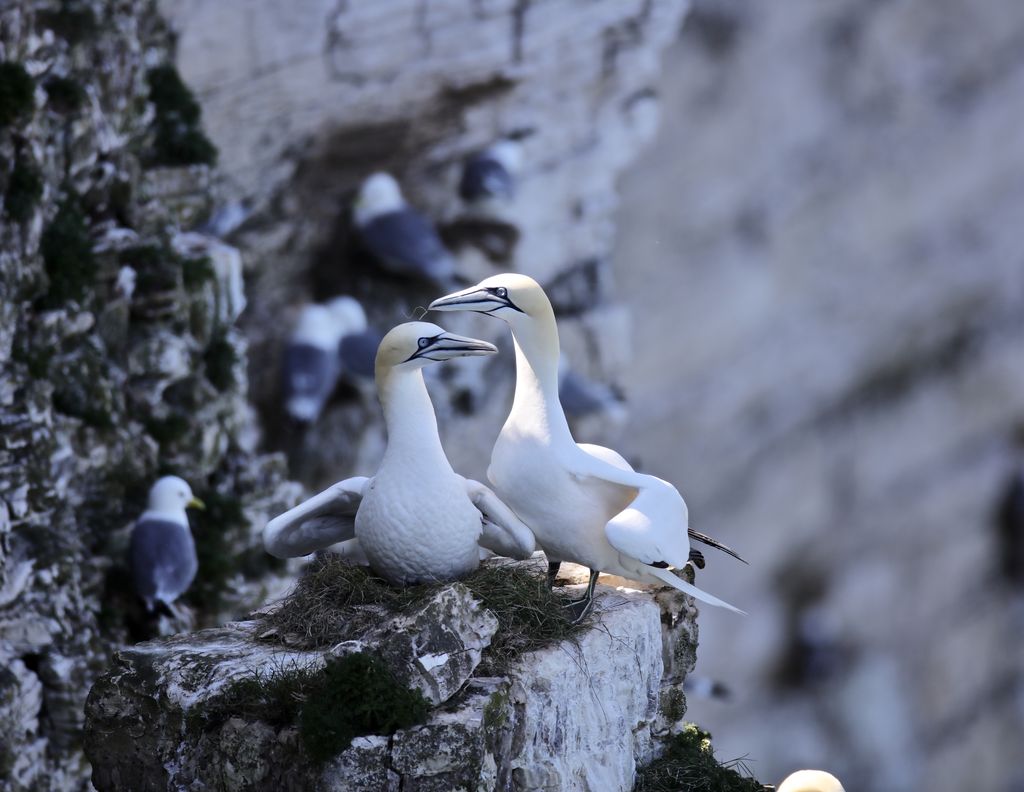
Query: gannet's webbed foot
{"points": [[579, 608], [553, 567], [697, 558]]}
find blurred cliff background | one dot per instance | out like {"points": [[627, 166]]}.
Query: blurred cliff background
{"points": [[785, 234]]}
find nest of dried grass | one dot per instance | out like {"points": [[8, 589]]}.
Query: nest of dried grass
{"points": [[335, 601], [689, 765]]}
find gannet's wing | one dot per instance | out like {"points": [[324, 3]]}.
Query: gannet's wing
{"points": [[705, 539], [503, 532], [647, 529], [616, 460], [321, 521]]}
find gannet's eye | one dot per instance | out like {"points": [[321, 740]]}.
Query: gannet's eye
{"points": [[423, 343], [502, 292]]}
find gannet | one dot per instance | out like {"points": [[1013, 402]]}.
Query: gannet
{"points": [[312, 362], [416, 519], [163, 553], [810, 781], [402, 240], [490, 175], [584, 503]]}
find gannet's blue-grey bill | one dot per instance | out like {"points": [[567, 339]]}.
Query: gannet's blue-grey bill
{"points": [[482, 299], [448, 345]]}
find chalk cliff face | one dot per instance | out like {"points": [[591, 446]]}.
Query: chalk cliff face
{"points": [[124, 349], [840, 264], [305, 100]]}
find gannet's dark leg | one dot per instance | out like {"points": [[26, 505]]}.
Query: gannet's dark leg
{"points": [[553, 572], [580, 607], [697, 558]]}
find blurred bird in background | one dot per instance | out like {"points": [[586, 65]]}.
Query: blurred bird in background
{"points": [[163, 553], [400, 239]]}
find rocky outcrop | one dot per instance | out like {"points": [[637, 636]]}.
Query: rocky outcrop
{"points": [[576, 715], [119, 360]]}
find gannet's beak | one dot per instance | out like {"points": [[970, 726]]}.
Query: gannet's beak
{"points": [[448, 345], [482, 299], [195, 503]]}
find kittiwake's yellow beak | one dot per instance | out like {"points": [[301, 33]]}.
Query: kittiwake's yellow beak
{"points": [[195, 503]]}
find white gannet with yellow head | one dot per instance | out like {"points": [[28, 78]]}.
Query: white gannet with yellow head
{"points": [[810, 781], [584, 503], [416, 520]]}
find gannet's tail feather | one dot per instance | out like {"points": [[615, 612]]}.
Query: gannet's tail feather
{"points": [[688, 588], [705, 539]]}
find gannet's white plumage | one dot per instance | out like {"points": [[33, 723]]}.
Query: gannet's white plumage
{"points": [[163, 552], [416, 520], [810, 781], [584, 503]]}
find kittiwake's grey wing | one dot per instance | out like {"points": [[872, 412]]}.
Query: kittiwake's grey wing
{"points": [[406, 243], [163, 560], [484, 177], [503, 532], [358, 351], [309, 374], [323, 520]]}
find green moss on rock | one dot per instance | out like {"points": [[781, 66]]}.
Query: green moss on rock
{"points": [[196, 271], [689, 765], [64, 94], [178, 139], [219, 360], [67, 254], [73, 21], [17, 93], [214, 532], [356, 695], [351, 696], [24, 189]]}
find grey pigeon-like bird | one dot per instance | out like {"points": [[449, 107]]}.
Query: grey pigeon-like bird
{"points": [[163, 553], [402, 241], [312, 363], [490, 175]]}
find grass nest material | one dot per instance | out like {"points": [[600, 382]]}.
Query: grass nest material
{"points": [[689, 765], [335, 601]]}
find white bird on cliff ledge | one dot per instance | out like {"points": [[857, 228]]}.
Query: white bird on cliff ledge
{"points": [[416, 519], [312, 359], [401, 239], [584, 503], [163, 552], [810, 781]]}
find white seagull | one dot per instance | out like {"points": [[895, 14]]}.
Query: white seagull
{"points": [[163, 552], [312, 360], [810, 781], [402, 240], [416, 519], [584, 503]]}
